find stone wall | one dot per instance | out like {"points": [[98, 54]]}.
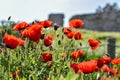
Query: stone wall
{"points": [[57, 18], [106, 20]]}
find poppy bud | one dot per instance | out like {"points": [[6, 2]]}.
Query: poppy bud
{"points": [[16, 73], [46, 79], [62, 37], [59, 42], [56, 27], [51, 48], [42, 36], [9, 18], [50, 63], [80, 44]]}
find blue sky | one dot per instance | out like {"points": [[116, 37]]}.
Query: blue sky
{"points": [[28, 10]]}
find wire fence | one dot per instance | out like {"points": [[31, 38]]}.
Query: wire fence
{"points": [[109, 48]]}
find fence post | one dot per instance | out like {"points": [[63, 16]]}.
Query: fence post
{"points": [[0, 35], [111, 47], [0, 38]]}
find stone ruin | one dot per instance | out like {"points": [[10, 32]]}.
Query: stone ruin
{"points": [[106, 19], [57, 18]]}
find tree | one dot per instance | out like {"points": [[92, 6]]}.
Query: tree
{"points": [[115, 7], [99, 9]]}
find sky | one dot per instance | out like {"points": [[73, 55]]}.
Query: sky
{"points": [[29, 10]]}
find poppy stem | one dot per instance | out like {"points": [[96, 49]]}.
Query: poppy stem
{"points": [[8, 67], [92, 52], [82, 77]]}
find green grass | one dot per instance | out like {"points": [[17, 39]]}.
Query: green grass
{"points": [[28, 60], [102, 36]]}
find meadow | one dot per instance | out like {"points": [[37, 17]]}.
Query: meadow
{"points": [[64, 57]]}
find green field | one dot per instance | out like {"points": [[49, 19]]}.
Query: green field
{"points": [[28, 59]]}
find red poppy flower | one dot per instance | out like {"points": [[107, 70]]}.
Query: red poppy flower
{"points": [[46, 23], [76, 54], [85, 67], [46, 57], [47, 42], [33, 32], [21, 25], [93, 43], [76, 23], [66, 30], [64, 54], [105, 79], [16, 74], [46, 79], [70, 35], [25, 33], [42, 23], [106, 59], [42, 36], [113, 71], [88, 67], [105, 68], [77, 35], [100, 63], [50, 37], [0, 30], [116, 61], [12, 42], [21, 42], [80, 52], [74, 66], [34, 36]]}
